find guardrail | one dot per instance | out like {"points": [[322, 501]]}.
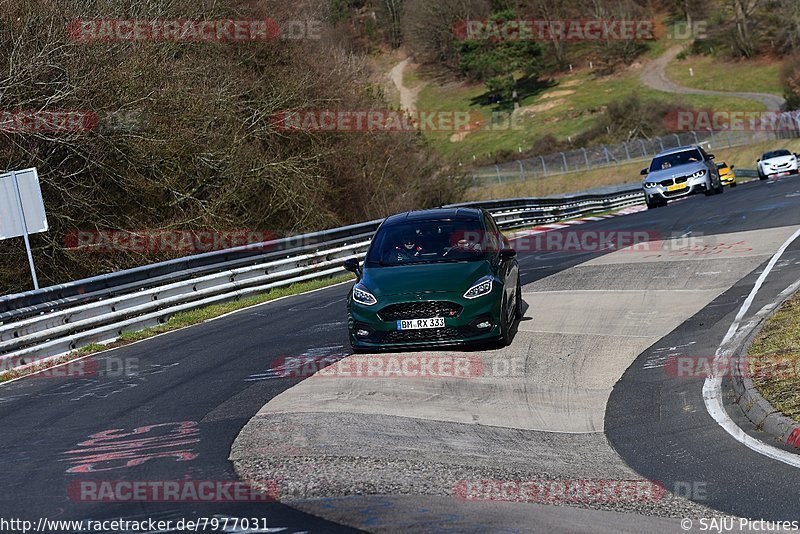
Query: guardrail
{"points": [[55, 320]]}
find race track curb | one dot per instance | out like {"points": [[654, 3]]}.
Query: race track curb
{"points": [[754, 406]]}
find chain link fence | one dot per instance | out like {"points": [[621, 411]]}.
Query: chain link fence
{"points": [[637, 150]]}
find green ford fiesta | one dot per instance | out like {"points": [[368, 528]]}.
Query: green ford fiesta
{"points": [[435, 277]]}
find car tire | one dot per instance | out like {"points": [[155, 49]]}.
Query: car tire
{"points": [[505, 326], [518, 308], [733, 184], [761, 175], [652, 205], [720, 188]]}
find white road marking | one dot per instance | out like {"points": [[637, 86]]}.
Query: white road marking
{"points": [[712, 388]]}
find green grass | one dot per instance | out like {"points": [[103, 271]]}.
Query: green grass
{"points": [[779, 341], [570, 115], [754, 76], [743, 157], [181, 320]]}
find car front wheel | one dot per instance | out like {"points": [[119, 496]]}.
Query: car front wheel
{"points": [[505, 325], [652, 203]]}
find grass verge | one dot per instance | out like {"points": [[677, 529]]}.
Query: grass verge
{"points": [[711, 73], [774, 358], [178, 321], [563, 107]]}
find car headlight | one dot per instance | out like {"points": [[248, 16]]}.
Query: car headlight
{"points": [[362, 295], [480, 288], [698, 174], [650, 185]]}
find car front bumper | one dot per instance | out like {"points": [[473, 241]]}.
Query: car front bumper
{"points": [[728, 179], [377, 326], [693, 186], [780, 171]]}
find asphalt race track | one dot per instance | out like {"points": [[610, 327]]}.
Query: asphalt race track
{"points": [[592, 400]]}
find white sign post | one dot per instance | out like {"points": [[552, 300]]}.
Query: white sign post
{"points": [[22, 209]]}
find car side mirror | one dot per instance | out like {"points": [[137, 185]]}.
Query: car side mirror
{"points": [[643, 172], [711, 156], [352, 265], [508, 253], [732, 166], [759, 159]]}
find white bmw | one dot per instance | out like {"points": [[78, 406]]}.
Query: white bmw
{"points": [[777, 163]]}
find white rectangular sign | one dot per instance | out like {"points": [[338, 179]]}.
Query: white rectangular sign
{"points": [[32, 205]]}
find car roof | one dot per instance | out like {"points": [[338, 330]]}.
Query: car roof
{"points": [[678, 149], [473, 214]]}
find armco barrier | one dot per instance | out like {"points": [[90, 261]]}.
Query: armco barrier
{"points": [[55, 320]]}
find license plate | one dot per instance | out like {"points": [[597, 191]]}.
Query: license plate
{"points": [[419, 324], [676, 187]]}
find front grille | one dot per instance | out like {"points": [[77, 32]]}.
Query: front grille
{"points": [[411, 336], [673, 181], [420, 310]]}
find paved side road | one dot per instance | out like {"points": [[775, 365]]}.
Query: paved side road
{"points": [[654, 75]]}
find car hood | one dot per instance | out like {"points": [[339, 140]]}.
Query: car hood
{"points": [[675, 172], [777, 161], [424, 277]]}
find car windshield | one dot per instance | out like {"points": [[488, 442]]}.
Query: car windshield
{"points": [[721, 165], [667, 161], [430, 241], [776, 154]]}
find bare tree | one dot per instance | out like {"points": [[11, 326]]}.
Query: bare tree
{"points": [[429, 27]]}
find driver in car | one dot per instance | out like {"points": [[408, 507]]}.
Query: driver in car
{"points": [[409, 248]]}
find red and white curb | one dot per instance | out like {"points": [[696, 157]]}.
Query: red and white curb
{"points": [[566, 224]]}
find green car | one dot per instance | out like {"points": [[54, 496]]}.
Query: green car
{"points": [[435, 277]]}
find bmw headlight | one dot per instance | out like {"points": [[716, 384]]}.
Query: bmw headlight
{"points": [[480, 288], [362, 295], [650, 185], [699, 174]]}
